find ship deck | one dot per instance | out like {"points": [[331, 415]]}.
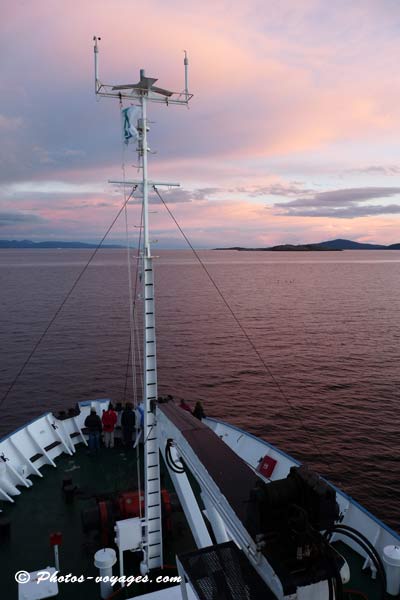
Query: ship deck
{"points": [[42, 510]]}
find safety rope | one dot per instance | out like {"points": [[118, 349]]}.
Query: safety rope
{"points": [[132, 309], [131, 306], [244, 332], [136, 347], [127, 370], [135, 312], [138, 338], [62, 304], [131, 351]]}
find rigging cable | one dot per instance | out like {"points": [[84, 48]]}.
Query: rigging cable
{"points": [[127, 370], [132, 337], [138, 475], [64, 301], [131, 324], [344, 530], [132, 298], [242, 329], [128, 258], [132, 314], [135, 320]]}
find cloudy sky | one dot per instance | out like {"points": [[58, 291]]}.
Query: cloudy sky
{"points": [[292, 134]]}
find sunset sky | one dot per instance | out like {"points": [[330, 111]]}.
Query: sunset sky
{"points": [[292, 135]]}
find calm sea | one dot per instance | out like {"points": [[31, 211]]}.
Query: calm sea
{"points": [[326, 324]]}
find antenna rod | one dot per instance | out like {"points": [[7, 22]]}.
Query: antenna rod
{"points": [[186, 63], [96, 66], [144, 172]]}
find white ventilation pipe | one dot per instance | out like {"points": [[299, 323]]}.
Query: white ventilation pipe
{"points": [[391, 559], [104, 560]]}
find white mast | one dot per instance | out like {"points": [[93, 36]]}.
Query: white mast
{"points": [[140, 94], [152, 483]]}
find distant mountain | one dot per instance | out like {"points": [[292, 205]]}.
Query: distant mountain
{"points": [[301, 248], [338, 244], [30, 244], [283, 248], [350, 245]]}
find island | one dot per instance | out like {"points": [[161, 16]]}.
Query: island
{"points": [[28, 244], [285, 248], [332, 245]]}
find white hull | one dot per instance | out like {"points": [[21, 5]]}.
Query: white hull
{"points": [[251, 449]]}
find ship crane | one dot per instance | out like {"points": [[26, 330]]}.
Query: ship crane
{"points": [[229, 489]]}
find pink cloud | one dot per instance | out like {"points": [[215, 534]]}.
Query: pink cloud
{"points": [[273, 91], [277, 81]]}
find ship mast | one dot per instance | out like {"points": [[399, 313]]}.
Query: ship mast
{"points": [[140, 94]]}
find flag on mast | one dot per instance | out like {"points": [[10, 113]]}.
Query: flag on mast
{"points": [[129, 118]]}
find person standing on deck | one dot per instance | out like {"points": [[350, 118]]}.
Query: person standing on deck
{"points": [[199, 411], [185, 406], [128, 424], [109, 420], [93, 423]]}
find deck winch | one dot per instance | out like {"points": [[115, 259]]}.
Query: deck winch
{"points": [[286, 517], [101, 517], [277, 524], [303, 489]]}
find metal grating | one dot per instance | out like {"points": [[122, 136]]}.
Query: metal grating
{"points": [[222, 572]]}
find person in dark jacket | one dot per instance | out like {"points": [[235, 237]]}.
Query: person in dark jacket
{"points": [[128, 424], [198, 411], [93, 423]]}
